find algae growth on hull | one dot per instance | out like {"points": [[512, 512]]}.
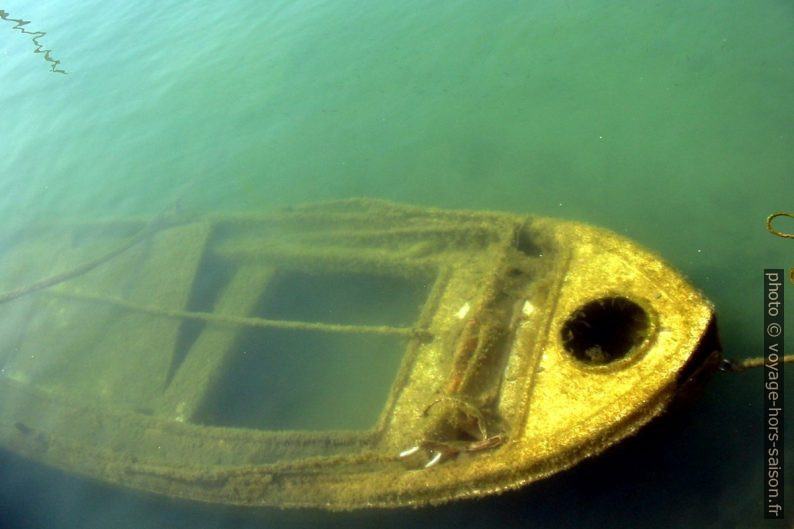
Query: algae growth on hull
{"points": [[224, 358]]}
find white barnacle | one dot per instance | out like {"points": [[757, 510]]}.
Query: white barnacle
{"points": [[409, 451], [463, 310], [433, 460]]}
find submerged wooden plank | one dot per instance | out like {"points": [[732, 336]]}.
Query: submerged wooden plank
{"points": [[207, 356]]}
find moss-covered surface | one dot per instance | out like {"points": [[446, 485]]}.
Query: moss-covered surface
{"points": [[120, 373]]}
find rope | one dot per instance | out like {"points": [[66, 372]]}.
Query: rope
{"points": [[772, 230], [748, 363], [760, 361], [149, 228], [78, 270]]}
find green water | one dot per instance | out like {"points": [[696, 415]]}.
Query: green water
{"points": [[670, 122]]}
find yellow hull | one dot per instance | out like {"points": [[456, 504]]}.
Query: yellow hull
{"points": [[534, 344]]}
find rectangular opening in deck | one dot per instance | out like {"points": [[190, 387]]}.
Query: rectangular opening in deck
{"points": [[287, 379], [344, 297]]}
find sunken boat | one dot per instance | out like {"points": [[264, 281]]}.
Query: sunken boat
{"points": [[340, 355]]}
